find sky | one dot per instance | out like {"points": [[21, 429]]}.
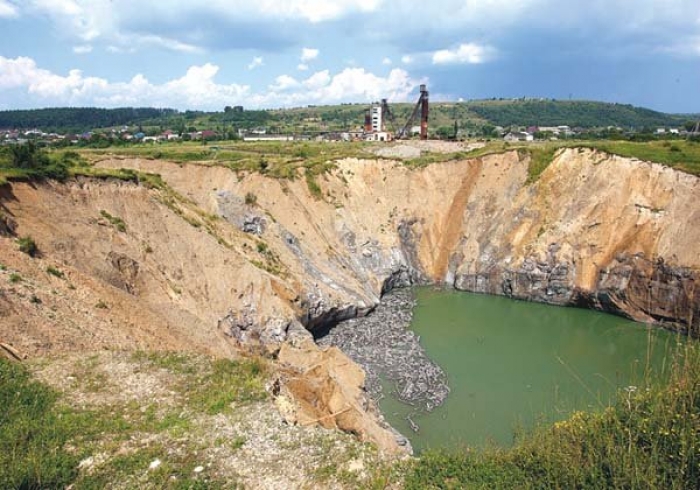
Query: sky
{"points": [[205, 55]]}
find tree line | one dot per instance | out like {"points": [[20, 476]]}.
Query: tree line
{"points": [[79, 119]]}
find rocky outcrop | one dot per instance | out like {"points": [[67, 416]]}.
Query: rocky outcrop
{"points": [[543, 281], [648, 291], [7, 224], [325, 387]]}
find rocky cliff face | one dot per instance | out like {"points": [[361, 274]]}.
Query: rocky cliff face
{"points": [[261, 258]]}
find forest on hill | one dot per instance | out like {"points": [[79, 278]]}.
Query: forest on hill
{"points": [[573, 113], [79, 119]]}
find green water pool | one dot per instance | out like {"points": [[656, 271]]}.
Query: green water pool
{"points": [[512, 364]]}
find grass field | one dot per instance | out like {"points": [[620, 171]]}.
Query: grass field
{"points": [[285, 160]]}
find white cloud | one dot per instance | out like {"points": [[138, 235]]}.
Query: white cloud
{"points": [[198, 89], [386, 61], [257, 61], [59, 7], [119, 50], [82, 49], [129, 23], [309, 54], [302, 67], [407, 59], [313, 10], [7, 10], [284, 82], [195, 89], [469, 53], [163, 42], [318, 80], [106, 19], [683, 48]]}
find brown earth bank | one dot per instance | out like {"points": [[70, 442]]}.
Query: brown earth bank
{"points": [[217, 260]]}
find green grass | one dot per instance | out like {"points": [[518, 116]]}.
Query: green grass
{"points": [[33, 434], [229, 381], [277, 159], [115, 221], [540, 158], [42, 439], [649, 439], [28, 246], [55, 272], [284, 160], [680, 154]]}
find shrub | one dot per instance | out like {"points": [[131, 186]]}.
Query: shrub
{"points": [[117, 222], [28, 246], [251, 199], [55, 272], [314, 188]]}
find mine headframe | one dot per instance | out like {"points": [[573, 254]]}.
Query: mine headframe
{"points": [[421, 107]]}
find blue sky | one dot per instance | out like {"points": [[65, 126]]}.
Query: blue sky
{"points": [[272, 53]]}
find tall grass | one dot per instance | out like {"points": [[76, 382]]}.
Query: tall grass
{"points": [[649, 439]]}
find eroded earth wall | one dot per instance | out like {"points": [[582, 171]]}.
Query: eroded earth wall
{"points": [[219, 255]]}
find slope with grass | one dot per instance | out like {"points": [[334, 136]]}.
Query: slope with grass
{"points": [[143, 420]]}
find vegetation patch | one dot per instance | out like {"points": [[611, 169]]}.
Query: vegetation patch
{"points": [[229, 381], [540, 158], [115, 221], [33, 433], [55, 272], [103, 441], [28, 246], [251, 199]]}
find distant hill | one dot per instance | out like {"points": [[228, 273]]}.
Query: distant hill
{"points": [[574, 113], [79, 119], [468, 115]]}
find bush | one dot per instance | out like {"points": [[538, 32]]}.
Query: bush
{"points": [[28, 246], [251, 199], [55, 272], [115, 221], [35, 162]]}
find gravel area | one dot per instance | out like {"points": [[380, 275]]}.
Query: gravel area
{"points": [[386, 348]]}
